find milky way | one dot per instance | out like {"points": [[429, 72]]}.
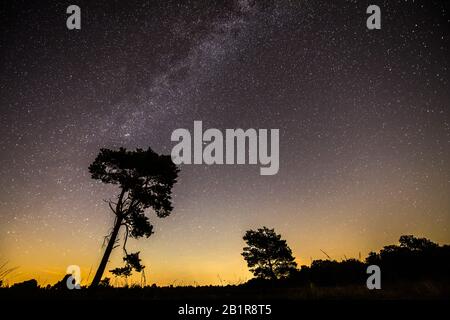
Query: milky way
{"points": [[363, 118]]}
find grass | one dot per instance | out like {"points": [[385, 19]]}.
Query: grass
{"points": [[396, 291]]}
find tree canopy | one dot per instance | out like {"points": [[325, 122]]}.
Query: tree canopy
{"points": [[145, 180], [267, 255]]}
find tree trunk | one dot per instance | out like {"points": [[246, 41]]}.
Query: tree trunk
{"points": [[109, 247], [272, 273]]}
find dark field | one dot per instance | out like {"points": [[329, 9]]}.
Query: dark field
{"points": [[399, 291]]}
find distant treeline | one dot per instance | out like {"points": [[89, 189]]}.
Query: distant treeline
{"points": [[413, 259]]}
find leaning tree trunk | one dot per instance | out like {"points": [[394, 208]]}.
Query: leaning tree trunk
{"points": [[109, 247]]}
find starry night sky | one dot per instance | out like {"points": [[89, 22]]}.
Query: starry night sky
{"points": [[363, 117]]}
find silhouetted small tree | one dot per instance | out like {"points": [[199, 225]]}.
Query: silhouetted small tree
{"points": [[267, 255], [145, 180]]}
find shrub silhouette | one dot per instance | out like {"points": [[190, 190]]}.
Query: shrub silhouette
{"points": [[105, 283], [414, 258], [332, 273], [61, 284], [26, 285]]}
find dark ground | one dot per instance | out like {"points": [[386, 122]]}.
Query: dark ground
{"points": [[408, 299]]}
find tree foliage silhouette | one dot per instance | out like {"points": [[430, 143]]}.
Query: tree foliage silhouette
{"points": [[132, 261], [145, 181], [414, 258], [267, 255]]}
